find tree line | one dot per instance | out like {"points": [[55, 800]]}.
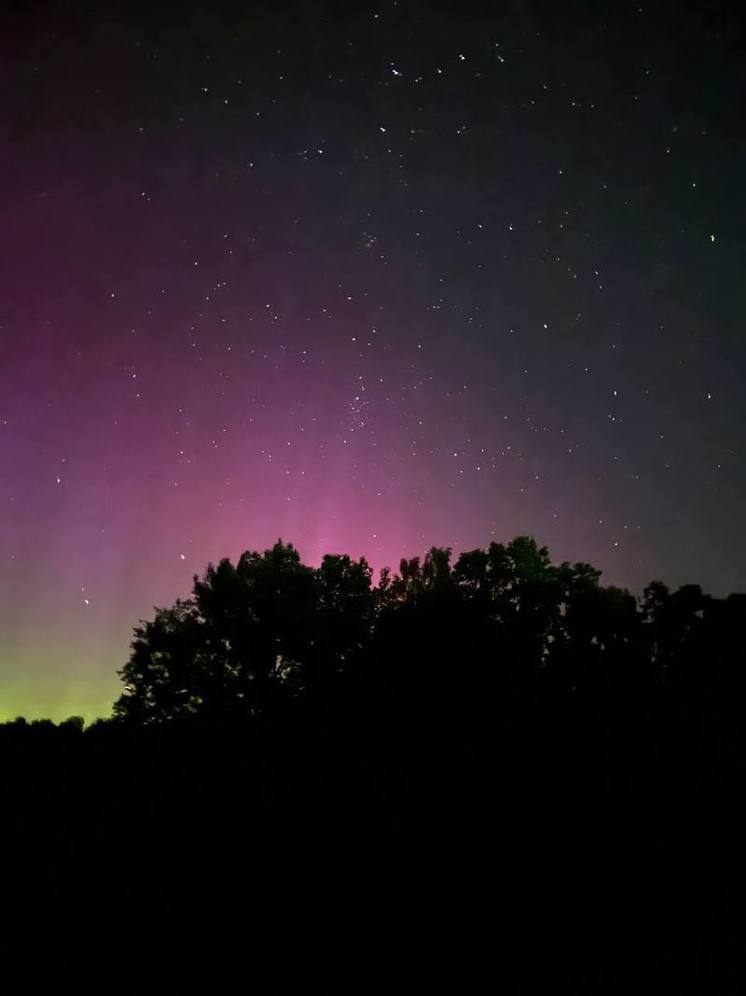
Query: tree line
{"points": [[484, 771], [270, 629]]}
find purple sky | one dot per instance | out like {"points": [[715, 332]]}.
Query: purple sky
{"points": [[370, 284]]}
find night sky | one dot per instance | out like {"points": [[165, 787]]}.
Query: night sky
{"points": [[368, 277]]}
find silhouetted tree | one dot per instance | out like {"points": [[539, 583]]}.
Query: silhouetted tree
{"points": [[271, 628], [267, 626]]}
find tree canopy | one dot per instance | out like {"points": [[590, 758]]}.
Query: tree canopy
{"points": [[270, 628]]}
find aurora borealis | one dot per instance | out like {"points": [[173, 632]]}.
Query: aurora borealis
{"points": [[367, 277]]}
